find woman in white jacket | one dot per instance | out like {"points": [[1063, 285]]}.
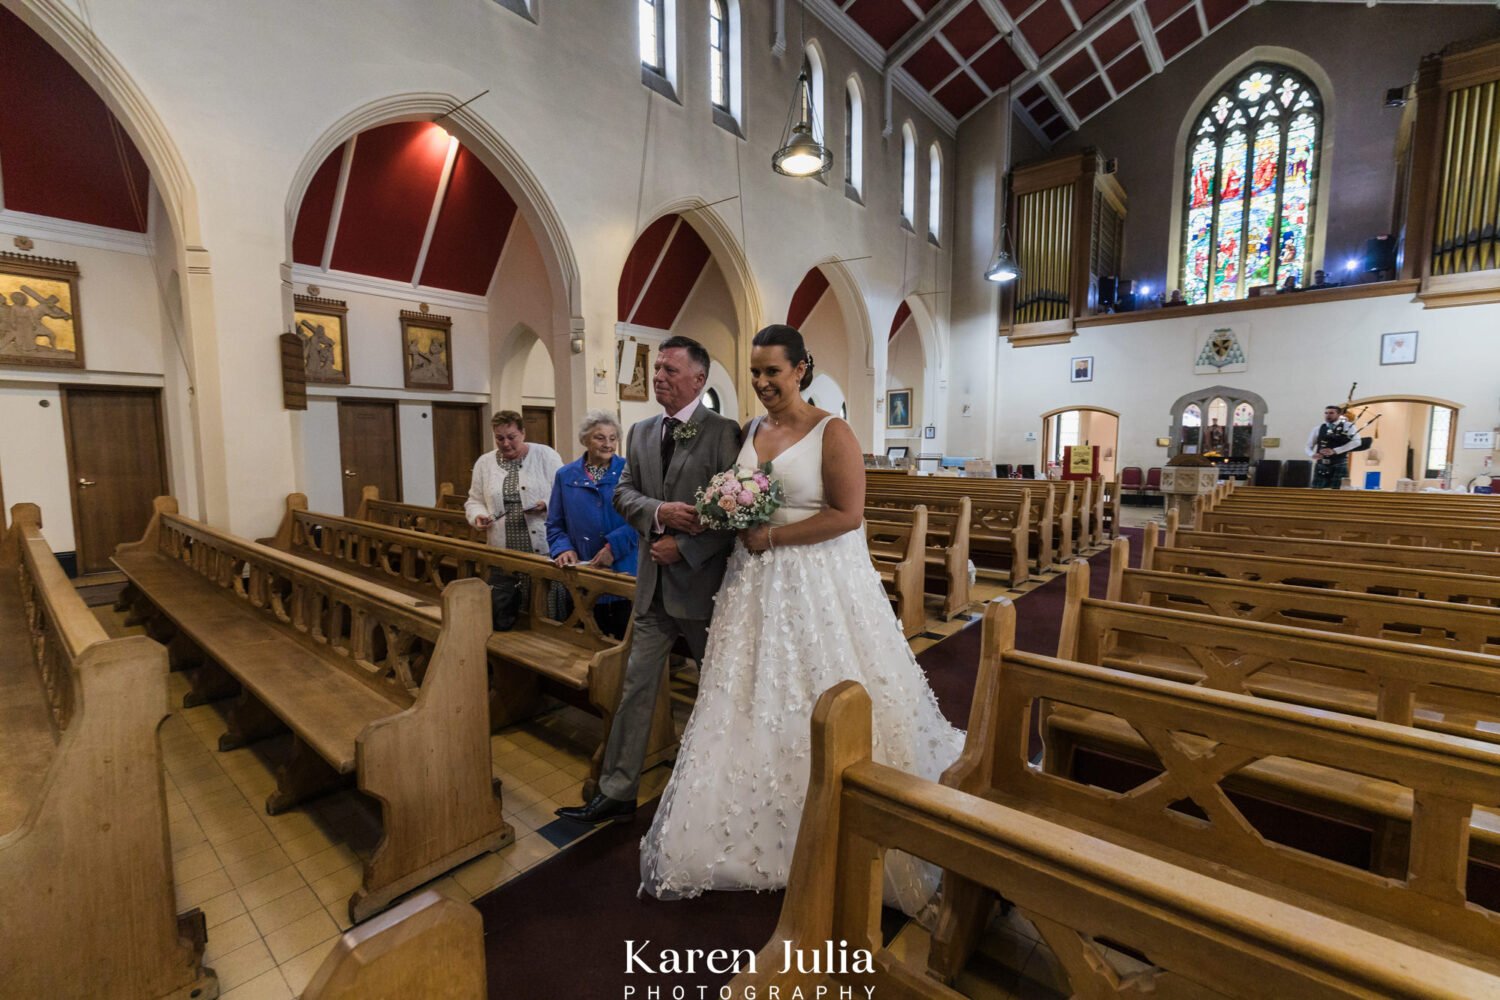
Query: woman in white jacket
{"points": [[508, 497]]}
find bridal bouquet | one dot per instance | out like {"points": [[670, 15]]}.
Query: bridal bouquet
{"points": [[738, 498]]}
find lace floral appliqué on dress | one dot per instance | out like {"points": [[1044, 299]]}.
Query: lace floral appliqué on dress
{"points": [[788, 625]]}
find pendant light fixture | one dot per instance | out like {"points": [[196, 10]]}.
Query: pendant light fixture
{"points": [[802, 152], [1004, 267]]}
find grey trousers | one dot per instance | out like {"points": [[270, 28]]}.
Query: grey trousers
{"points": [[655, 632]]}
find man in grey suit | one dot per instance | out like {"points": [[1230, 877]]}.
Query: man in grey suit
{"points": [[669, 458]]}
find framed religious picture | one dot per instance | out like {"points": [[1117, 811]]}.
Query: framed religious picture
{"points": [[39, 317], [637, 390], [898, 409], [1083, 370], [426, 350], [322, 325], [1398, 348]]}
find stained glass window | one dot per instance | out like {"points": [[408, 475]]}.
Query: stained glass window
{"points": [[1251, 164]]}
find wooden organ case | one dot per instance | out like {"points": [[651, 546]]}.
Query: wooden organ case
{"points": [[1067, 216], [1452, 239]]}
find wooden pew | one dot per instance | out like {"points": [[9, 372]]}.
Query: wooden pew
{"points": [[371, 683], [947, 548], [1377, 527], [1111, 497], [573, 654], [88, 908], [1350, 499], [1199, 739], [1341, 655], [1016, 526], [1370, 553], [1205, 933], [428, 520], [1056, 505], [904, 570], [430, 947], [1369, 578], [1444, 625], [448, 500]]}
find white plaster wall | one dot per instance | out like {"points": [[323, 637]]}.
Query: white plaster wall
{"points": [[826, 333], [125, 342], [325, 485], [907, 371], [1300, 358], [418, 472], [538, 387], [33, 458], [244, 101]]}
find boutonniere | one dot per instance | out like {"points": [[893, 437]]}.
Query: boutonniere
{"points": [[684, 431]]}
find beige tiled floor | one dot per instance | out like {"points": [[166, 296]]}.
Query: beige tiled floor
{"points": [[274, 890]]}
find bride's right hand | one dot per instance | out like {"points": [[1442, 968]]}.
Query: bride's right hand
{"points": [[756, 539]]}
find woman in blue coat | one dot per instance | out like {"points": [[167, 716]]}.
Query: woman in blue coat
{"points": [[582, 523]]}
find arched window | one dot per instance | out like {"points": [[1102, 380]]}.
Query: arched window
{"points": [[908, 173], [711, 400], [854, 138], [812, 65], [653, 31], [934, 192], [718, 54], [1251, 168]]}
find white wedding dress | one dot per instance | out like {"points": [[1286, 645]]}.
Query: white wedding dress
{"points": [[788, 624]]}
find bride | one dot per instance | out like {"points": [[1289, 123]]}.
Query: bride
{"points": [[801, 609]]}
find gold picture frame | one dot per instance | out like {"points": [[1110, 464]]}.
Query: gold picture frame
{"points": [[638, 389], [426, 350], [40, 321], [322, 325]]}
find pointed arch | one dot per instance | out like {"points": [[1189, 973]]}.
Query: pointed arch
{"points": [[909, 173], [1314, 72], [854, 136], [189, 286], [532, 202]]}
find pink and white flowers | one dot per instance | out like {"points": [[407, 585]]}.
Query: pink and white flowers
{"points": [[738, 498]]}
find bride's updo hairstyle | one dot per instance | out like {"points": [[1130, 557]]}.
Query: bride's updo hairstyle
{"points": [[790, 341]]}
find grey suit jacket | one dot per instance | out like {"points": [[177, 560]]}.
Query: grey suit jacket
{"points": [[688, 586]]}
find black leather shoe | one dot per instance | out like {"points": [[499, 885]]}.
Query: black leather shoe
{"points": [[601, 809]]}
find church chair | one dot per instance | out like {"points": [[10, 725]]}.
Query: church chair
{"points": [[1268, 472], [1297, 474]]}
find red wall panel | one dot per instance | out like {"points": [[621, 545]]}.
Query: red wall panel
{"points": [[316, 212], [388, 200], [806, 298], [61, 150], [639, 262], [476, 216], [681, 265]]}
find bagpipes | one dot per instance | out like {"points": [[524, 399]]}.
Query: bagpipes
{"points": [[1353, 418]]}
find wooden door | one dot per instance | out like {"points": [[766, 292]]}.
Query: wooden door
{"points": [[537, 422], [457, 440], [117, 465], [370, 449]]}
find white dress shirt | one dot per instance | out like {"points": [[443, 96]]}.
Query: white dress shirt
{"points": [[1344, 426]]}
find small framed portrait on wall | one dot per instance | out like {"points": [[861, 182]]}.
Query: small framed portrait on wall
{"points": [[322, 325], [39, 317], [426, 350], [1083, 370], [898, 409], [1398, 348], [637, 390]]}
